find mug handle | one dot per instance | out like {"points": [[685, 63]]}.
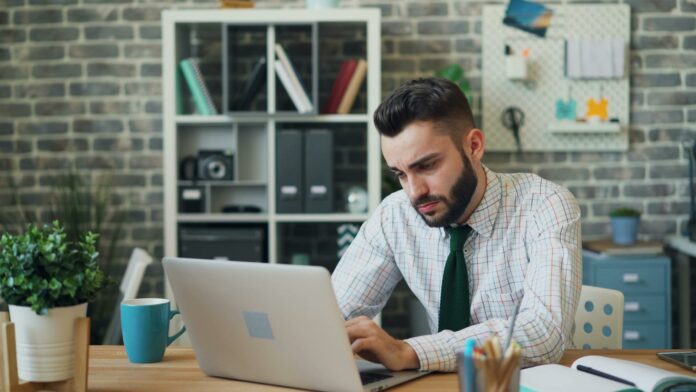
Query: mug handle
{"points": [[171, 339]]}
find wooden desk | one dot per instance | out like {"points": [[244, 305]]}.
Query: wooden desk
{"points": [[109, 370]]}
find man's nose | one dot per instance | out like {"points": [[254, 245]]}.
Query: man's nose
{"points": [[417, 188]]}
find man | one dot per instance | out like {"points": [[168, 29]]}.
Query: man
{"points": [[470, 243]]}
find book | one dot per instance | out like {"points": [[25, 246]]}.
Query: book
{"points": [[254, 82], [199, 91], [353, 88], [616, 375], [345, 72], [294, 77], [292, 92], [609, 248]]}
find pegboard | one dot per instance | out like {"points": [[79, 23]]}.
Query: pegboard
{"points": [[547, 81]]}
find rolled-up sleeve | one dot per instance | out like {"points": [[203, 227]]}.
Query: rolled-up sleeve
{"points": [[366, 274]]}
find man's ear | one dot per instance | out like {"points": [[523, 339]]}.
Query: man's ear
{"points": [[473, 143]]}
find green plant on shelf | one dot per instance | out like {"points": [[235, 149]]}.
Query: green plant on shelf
{"points": [[624, 212]]}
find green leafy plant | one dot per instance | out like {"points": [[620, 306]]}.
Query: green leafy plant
{"points": [[624, 212], [40, 268], [455, 74], [82, 202]]}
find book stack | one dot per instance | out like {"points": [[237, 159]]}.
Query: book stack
{"points": [[191, 72], [291, 81], [346, 86]]}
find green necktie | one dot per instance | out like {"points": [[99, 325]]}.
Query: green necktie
{"points": [[454, 298]]}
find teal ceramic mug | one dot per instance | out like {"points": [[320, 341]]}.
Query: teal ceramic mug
{"points": [[145, 328]]}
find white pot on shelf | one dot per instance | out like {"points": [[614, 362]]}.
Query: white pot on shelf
{"points": [[45, 343]]}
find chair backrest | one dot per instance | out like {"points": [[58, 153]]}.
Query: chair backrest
{"points": [[599, 318], [130, 283]]}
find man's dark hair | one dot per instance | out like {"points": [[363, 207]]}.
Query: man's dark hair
{"points": [[426, 99]]}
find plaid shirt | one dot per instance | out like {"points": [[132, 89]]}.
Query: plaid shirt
{"points": [[525, 247]]}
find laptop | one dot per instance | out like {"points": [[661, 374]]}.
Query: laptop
{"points": [[271, 323]]}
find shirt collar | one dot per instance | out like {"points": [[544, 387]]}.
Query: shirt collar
{"points": [[485, 215], [483, 219]]}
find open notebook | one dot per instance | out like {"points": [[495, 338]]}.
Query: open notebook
{"points": [[643, 377]]}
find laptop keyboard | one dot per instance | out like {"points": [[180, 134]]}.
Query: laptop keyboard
{"points": [[368, 378]]}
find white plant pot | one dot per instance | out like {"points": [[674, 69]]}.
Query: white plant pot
{"points": [[45, 344]]}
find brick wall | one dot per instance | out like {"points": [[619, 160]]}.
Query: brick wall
{"points": [[80, 80]]}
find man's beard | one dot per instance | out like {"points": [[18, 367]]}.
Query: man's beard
{"points": [[459, 198]]}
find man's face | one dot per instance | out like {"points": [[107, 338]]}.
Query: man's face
{"points": [[434, 172]]}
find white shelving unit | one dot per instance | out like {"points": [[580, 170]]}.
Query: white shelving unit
{"points": [[252, 134]]}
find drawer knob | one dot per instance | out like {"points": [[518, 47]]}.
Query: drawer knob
{"points": [[631, 335], [632, 306], [631, 277]]}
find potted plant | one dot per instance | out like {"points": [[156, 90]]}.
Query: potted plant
{"points": [[47, 281], [624, 225]]}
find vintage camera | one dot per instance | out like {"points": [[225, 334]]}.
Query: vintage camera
{"points": [[215, 165]]}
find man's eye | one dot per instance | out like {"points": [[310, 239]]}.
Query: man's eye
{"points": [[399, 175], [426, 166]]}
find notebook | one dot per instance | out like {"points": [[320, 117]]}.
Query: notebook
{"points": [[616, 375]]}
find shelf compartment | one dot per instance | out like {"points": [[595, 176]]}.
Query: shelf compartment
{"points": [[221, 197], [349, 157], [299, 41], [205, 137], [247, 143], [252, 153], [340, 42], [224, 241], [199, 41], [245, 87], [317, 242]]}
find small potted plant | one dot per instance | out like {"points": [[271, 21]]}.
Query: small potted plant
{"points": [[624, 225], [47, 282]]}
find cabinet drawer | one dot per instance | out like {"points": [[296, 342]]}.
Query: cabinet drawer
{"points": [[644, 335], [631, 278], [645, 308]]}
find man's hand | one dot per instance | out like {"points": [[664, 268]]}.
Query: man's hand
{"points": [[371, 342]]}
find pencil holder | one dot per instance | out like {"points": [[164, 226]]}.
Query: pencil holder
{"points": [[481, 372]]}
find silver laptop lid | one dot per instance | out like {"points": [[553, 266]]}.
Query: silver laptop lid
{"points": [[274, 324]]}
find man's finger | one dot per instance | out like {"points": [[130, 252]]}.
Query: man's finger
{"points": [[362, 329], [356, 320], [363, 344]]}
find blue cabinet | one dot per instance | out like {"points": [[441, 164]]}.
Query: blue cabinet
{"points": [[645, 282]]}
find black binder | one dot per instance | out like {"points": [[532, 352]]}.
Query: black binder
{"points": [[318, 191], [289, 186]]}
